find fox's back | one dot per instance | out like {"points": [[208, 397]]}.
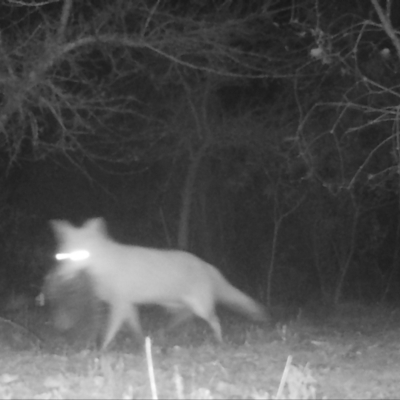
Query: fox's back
{"points": [[151, 275]]}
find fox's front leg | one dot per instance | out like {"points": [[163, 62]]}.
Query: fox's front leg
{"points": [[120, 312]]}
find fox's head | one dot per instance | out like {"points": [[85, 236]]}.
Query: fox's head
{"points": [[75, 245], [69, 288]]}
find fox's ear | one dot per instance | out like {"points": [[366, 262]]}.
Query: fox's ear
{"points": [[95, 224]]}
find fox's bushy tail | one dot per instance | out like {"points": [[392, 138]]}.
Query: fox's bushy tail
{"points": [[237, 300]]}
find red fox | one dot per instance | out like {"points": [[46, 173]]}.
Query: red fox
{"points": [[125, 276]]}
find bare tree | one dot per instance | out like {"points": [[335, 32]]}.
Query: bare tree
{"points": [[67, 73]]}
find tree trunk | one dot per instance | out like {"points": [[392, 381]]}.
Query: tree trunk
{"points": [[187, 197]]}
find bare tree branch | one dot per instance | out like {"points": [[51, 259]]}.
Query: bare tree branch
{"points": [[65, 14], [387, 25], [61, 78]]}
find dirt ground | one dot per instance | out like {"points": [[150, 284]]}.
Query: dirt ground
{"points": [[351, 353]]}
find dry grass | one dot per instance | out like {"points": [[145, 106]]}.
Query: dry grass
{"points": [[352, 354]]}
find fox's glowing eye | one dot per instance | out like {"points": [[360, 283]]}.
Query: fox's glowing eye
{"points": [[77, 255]]}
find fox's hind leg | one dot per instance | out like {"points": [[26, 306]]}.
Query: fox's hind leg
{"points": [[204, 308], [215, 325]]}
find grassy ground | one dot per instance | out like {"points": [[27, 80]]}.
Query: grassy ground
{"points": [[352, 353]]}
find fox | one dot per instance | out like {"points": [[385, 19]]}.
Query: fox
{"points": [[127, 276]]}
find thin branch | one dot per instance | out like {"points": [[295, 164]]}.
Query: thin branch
{"points": [[21, 3], [153, 10], [387, 25], [65, 14]]}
